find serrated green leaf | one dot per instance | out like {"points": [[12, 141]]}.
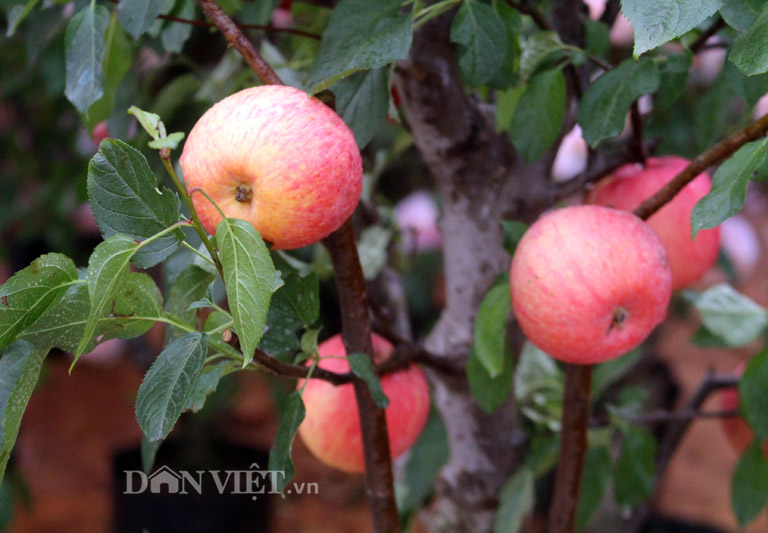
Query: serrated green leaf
{"points": [[540, 49], [308, 345], [137, 16], [490, 338], [536, 371], [750, 49], [740, 14], [658, 21], [362, 366], [175, 34], [303, 296], [280, 453], [149, 121], [753, 394], [248, 277], [169, 382], [108, 268], [674, 76], [539, 114], [17, 14], [118, 56], [598, 37], [149, 450], [361, 34], [84, 45], [29, 292], [207, 383], [507, 75], [595, 476], [516, 500], [730, 315], [749, 484], [490, 393], [606, 103], [189, 287], [125, 200], [481, 37], [636, 467], [729, 186], [282, 324], [361, 101], [20, 367]]}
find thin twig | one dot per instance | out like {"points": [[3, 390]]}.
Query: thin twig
{"points": [[702, 162], [204, 24], [662, 416], [702, 39], [236, 38], [526, 9]]}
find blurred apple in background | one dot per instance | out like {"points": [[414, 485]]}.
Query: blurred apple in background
{"points": [[416, 215], [571, 159], [739, 434], [741, 244]]}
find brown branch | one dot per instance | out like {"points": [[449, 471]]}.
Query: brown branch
{"points": [[662, 416], [236, 38], [702, 162], [356, 334], [573, 449], [204, 24], [526, 9], [701, 40]]}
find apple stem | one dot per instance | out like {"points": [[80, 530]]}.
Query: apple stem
{"points": [[356, 334], [573, 449]]}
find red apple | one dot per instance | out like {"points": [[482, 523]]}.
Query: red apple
{"points": [[275, 157], [331, 428], [632, 184], [100, 132], [736, 429], [589, 283]]}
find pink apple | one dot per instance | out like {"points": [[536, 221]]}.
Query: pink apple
{"points": [[589, 283], [416, 215], [739, 434], [100, 132], [331, 428], [277, 158], [632, 184]]}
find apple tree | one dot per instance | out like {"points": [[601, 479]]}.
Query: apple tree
{"points": [[474, 100]]}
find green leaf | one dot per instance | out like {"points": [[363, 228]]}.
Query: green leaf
{"points": [[750, 49], [361, 101], [507, 75], [282, 323], [516, 500], [29, 292], [536, 371], [171, 141], [169, 382], [20, 367], [280, 453], [425, 459], [604, 107], [135, 308], [361, 34], [595, 476], [513, 232], [108, 269], [490, 338], [118, 56], [175, 34], [84, 49], [308, 345], [539, 114], [729, 186], [248, 277], [657, 21], [206, 384], [674, 76], [481, 37], [636, 467], [125, 200], [749, 484], [149, 450], [303, 295], [372, 249], [136, 16], [606, 374], [149, 121], [598, 37], [730, 315], [17, 14], [740, 14], [753, 394], [362, 366], [189, 287], [540, 49], [490, 393]]}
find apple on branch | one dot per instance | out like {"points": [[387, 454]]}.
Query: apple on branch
{"points": [[589, 283], [632, 184], [277, 158], [331, 427]]}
